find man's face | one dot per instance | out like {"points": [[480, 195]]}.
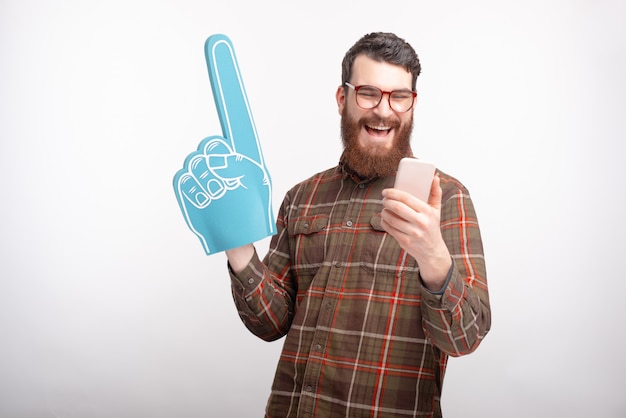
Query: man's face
{"points": [[375, 139]]}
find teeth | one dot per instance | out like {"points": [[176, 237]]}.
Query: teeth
{"points": [[380, 128]]}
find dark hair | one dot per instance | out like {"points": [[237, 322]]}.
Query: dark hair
{"points": [[384, 47]]}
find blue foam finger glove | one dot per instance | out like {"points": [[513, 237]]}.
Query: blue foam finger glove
{"points": [[224, 190]]}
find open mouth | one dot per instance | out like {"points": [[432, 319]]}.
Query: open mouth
{"points": [[379, 131]]}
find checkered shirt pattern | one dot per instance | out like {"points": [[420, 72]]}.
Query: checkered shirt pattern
{"points": [[364, 337]]}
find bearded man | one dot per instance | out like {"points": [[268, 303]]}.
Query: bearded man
{"points": [[372, 288]]}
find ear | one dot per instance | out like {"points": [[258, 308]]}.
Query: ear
{"points": [[340, 96]]}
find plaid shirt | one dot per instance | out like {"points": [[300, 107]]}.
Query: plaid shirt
{"points": [[364, 338]]}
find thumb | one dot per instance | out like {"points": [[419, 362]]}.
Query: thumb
{"points": [[434, 199], [234, 166]]}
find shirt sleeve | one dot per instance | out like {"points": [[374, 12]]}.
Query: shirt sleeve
{"points": [[458, 318], [265, 299]]}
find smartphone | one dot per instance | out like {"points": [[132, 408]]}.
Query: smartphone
{"points": [[416, 177]]}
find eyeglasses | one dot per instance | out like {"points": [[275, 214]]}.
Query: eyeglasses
{"points": [[368, 97]]}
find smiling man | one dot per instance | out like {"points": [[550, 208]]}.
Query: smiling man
{"points": [[372, 288]]}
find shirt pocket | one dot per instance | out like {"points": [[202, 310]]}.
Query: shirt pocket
{"points": [[308, 236], [383, 256]]}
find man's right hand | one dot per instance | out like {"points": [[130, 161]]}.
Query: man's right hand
{"points": [[224, 189]]}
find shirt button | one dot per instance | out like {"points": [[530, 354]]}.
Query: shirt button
{"points": [[361, 186], [328, 305], [318, 347], [309, 388], [349, 223], [250, 280]]}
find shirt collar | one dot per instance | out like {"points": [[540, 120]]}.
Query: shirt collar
{"points": [[348, 172]]}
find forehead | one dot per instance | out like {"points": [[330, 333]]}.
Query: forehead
{"points": [[384, 75]]}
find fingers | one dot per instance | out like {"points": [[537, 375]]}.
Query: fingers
{"points": [[192, 191], [410, 220], [198, 184], [434, 197], [394, 198], [398, 212], [230, 97], [195, 181]]}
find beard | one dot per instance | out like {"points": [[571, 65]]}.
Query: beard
{"points": [[374, 160]]}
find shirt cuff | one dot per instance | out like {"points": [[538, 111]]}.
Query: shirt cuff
{"points": [[249, 278]]}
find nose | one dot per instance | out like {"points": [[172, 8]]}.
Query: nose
{"points": [[384, 106]]}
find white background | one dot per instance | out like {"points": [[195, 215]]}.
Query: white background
{"points": [[108, 305]]}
